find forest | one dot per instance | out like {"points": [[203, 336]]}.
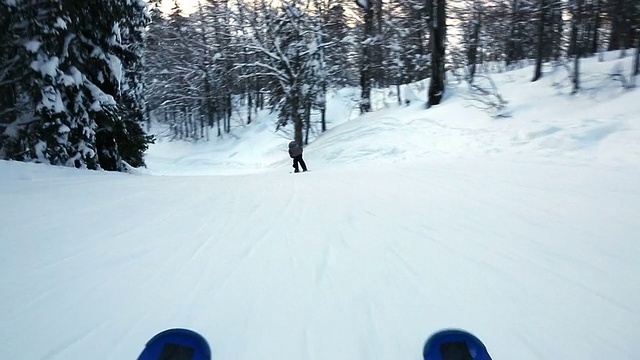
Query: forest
{"points": [[81, 82]]}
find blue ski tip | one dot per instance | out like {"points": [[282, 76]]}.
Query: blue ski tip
{"points": [[176, 344], [454, 344]]}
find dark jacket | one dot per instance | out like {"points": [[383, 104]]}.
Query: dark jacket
{"points": [[294, 149]]}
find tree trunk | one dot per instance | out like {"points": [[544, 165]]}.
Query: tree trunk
{"points": [[210, 106], [247, 89], [323, 108], [636, 70], [514, 37], [376, 47], [475, 41], [229, 111], [596, 25], [203, 126], [297, 116], [185, 121], [632, 28], [576, 74], [540, 46], [365, 66], [249, 106], [559, 29], [307, 122], [575, 23], [218, 123], [259, 96], [616, 25], [438, 24]]}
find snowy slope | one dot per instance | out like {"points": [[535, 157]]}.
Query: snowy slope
{"points": [[522, 230], [600, 124]]}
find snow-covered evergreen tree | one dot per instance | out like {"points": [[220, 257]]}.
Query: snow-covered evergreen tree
{"points": [[130, 136], [12, 72], [62, 131], [112, 47], [76, 66]]}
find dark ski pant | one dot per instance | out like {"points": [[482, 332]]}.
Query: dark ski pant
{"points": [[298, 160]]}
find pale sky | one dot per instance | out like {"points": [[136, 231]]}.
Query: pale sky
{"points": [[188, 6]]}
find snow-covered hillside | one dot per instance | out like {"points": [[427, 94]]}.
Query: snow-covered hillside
{"points": [[522, 230]]}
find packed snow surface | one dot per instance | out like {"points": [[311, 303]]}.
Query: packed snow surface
{"points": [[523, 230]]}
